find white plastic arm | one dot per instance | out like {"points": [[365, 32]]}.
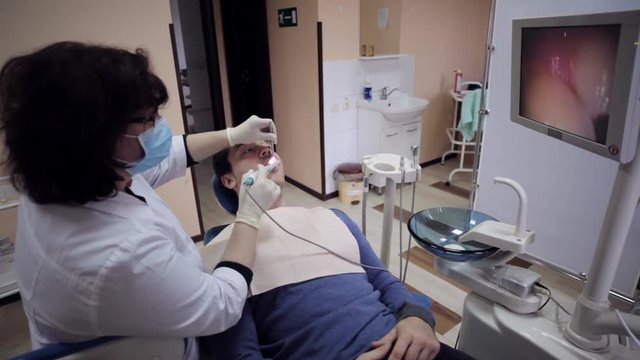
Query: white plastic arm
{"points": [[521, 226]]}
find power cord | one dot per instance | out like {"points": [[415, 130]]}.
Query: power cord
{"points": [[626, 327], [311, 242], [624, 324], [550, 297]]}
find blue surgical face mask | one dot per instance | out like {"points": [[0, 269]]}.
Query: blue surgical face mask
{"points": [[156, 143]]}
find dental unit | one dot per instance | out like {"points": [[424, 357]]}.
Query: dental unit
{"points": [[506, 315]]}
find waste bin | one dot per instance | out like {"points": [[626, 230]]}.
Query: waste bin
{"points": [[349, 178]]}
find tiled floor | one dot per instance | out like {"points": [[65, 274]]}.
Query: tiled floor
{"points": [[448, 297]]}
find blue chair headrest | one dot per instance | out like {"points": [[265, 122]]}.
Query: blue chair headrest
{"points": [[227, 198]]}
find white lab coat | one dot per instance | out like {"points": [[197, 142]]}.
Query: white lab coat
{"points": [[120, 267]]}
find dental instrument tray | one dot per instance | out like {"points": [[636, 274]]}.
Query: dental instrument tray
{"points": [[438, 231]]}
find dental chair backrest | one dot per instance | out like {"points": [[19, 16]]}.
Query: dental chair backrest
{"points": [[227, 198]]}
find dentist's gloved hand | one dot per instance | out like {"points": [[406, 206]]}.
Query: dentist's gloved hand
{"points": [[263, 190], [249, 131]]}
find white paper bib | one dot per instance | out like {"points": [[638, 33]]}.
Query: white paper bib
{"points": [[282, 259]]}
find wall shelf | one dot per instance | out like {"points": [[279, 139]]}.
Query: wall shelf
{"points": [[380, 57]]}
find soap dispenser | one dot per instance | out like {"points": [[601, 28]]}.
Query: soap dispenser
{"points": [[367, 90]]}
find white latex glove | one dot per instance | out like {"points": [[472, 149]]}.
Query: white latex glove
{"points": [[249, 131], [264, 192]]}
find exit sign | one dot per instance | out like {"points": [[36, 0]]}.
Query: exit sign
{"points": [[288, 17]]}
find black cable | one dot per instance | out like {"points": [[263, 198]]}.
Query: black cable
{"points": [[539, 284], [561, 307], [548, 296], [546, 301], [457, 338]]}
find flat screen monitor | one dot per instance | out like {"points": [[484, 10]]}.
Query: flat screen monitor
{"points": [[576, 78]]}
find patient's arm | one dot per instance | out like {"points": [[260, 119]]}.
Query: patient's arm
{"points": [[238, 342]]}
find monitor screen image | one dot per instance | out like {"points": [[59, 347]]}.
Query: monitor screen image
{"points": [[567, 75], [577, 79]]}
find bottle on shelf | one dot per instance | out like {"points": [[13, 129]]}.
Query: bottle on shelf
{"points": [[457, 84]]}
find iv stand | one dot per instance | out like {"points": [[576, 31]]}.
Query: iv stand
{"points": [[483, 106]]}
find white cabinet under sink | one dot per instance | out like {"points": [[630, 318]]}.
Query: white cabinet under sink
{"points": [[391, 140], [392, 125], [378, 135]]}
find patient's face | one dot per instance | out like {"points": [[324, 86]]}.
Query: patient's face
{"points": [[246, 157]]}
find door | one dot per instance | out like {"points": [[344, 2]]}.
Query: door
{"points": [[247, 53]]}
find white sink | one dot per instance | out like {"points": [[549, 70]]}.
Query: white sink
{"points": [[397, 108]]}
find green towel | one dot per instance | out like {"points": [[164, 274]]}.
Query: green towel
{"points": [[469, 114]]}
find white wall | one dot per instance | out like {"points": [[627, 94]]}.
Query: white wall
{"points": [[568, 188], [343, 83]]}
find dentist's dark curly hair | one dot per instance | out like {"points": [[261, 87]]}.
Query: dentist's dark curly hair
{"points": [[62, 110]]}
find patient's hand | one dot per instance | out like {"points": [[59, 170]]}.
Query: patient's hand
{"points": [[413, 339]]}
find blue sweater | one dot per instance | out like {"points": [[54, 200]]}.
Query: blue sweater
{"points": [[333, 317]]}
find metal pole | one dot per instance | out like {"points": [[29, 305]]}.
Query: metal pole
{"points": [[594, 299], [483, 105], [365, 194], [402, 172], [387, 220], [414, 151]]}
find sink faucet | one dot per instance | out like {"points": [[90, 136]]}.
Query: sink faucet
{"points": [[384, 94]]}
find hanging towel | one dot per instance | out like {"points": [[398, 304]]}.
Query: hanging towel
{"points": [[469, 114]]}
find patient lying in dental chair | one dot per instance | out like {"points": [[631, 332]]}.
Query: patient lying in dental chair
{"points": [[307, 303]]}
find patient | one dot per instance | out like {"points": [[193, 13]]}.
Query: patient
{"points": [[309, 304]]}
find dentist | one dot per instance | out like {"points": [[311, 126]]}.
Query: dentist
{"points": [[97, 250]]}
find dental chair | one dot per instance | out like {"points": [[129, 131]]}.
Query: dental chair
{"points": [[112, 347], [228, 199]]}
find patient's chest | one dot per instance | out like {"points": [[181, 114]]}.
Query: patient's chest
{"points": [[282, 258]]}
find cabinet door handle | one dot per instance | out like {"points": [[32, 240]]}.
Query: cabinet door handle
{"points": [[390, 135], [412, 130]]}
